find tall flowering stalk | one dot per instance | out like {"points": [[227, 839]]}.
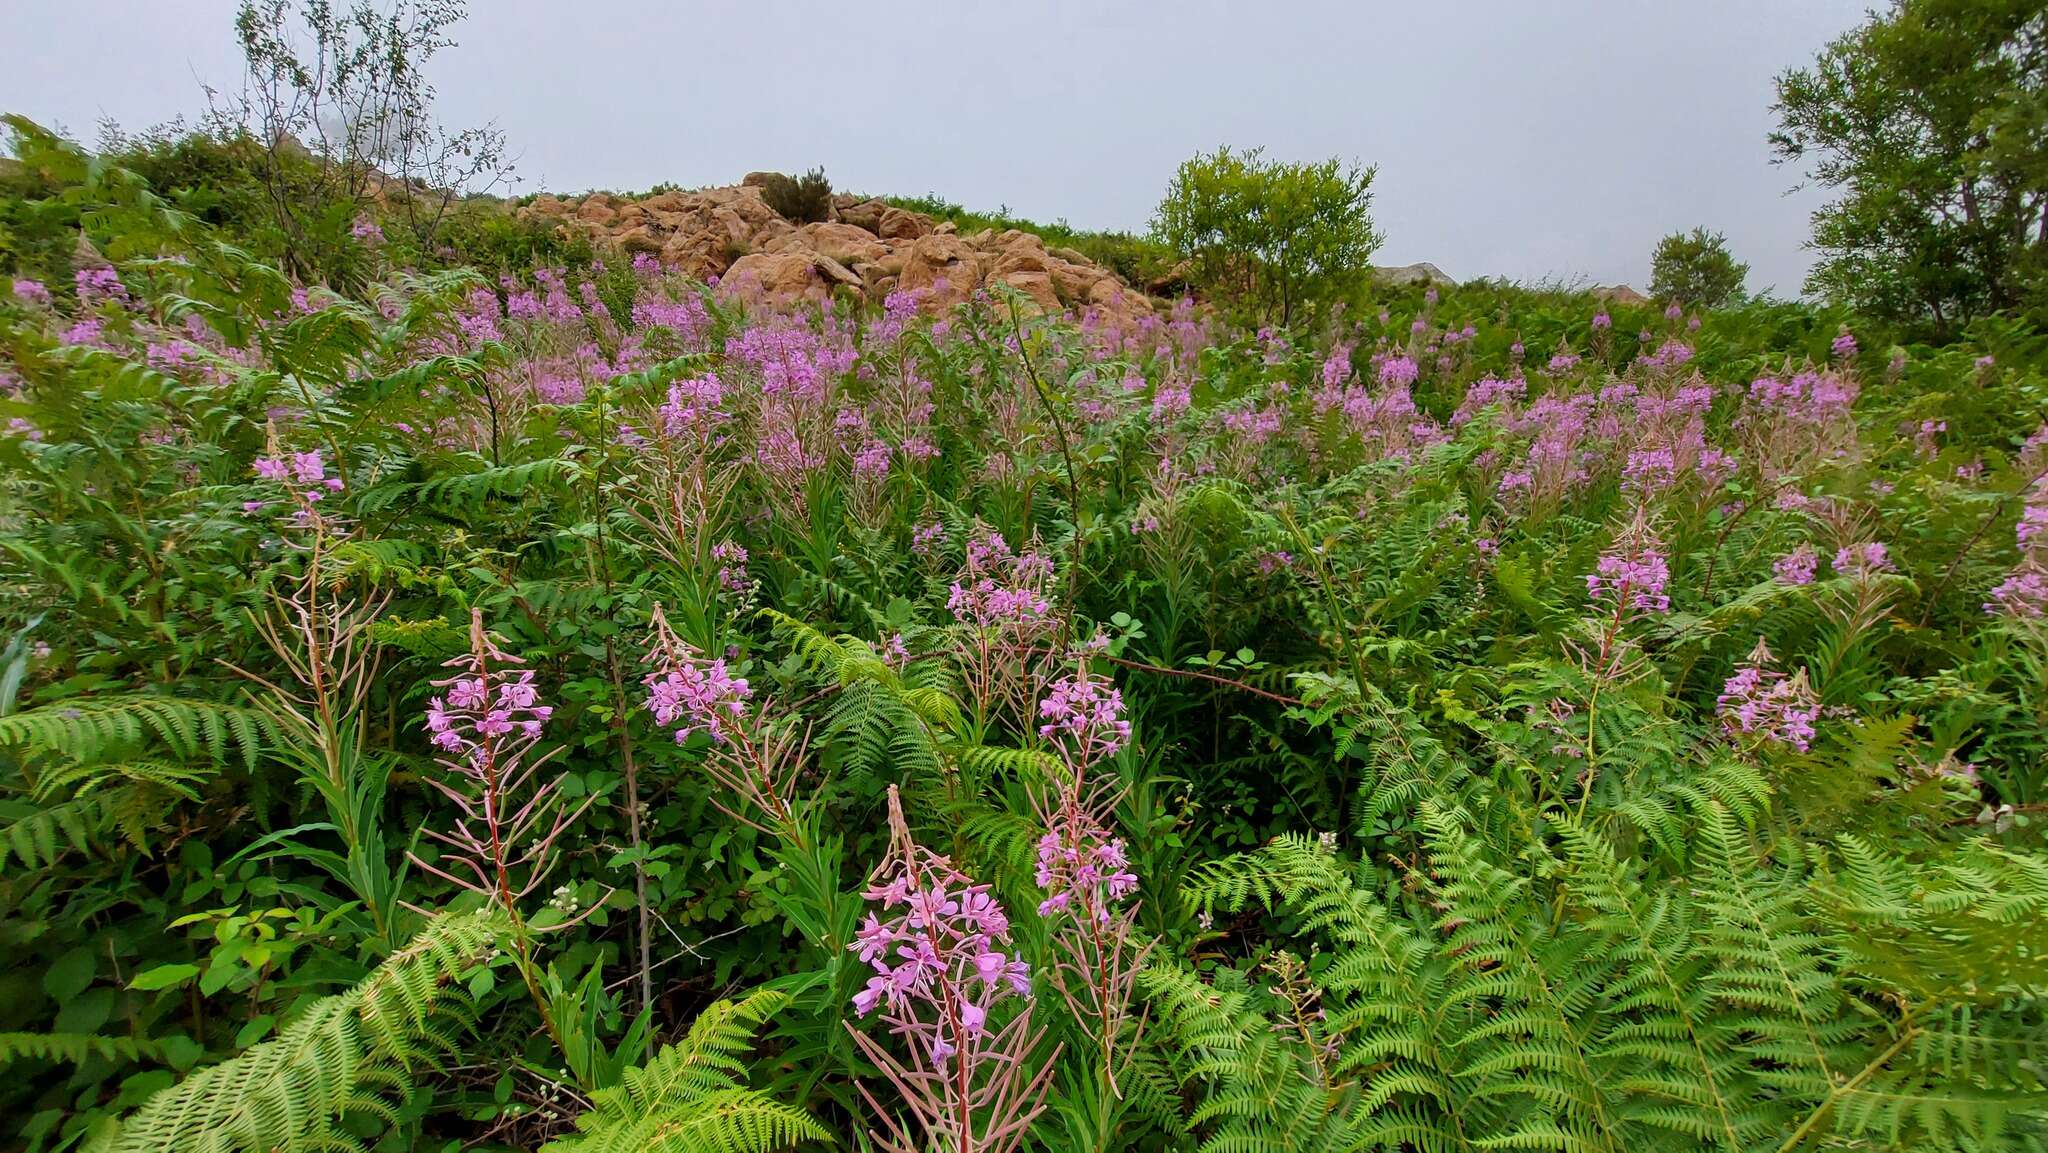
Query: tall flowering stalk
{"points": [[944, 970], [753, 758], [1628, 582], [1084, 869], [484, 726], [1000, 601], [1762, 703], [323, 637]]}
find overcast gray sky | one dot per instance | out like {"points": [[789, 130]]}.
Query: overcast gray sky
{"points": [[1514, 138]]}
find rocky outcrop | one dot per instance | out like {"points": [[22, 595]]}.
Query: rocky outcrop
{"points": [[1426, 274], [1619, 294], [866, 246]]}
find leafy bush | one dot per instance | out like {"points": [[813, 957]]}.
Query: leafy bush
{"points": [[800, 200], [1274, 235], [1696, 269]]}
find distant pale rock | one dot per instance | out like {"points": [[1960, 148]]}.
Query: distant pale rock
{"points": [[1408, 274], [1620, 294]]}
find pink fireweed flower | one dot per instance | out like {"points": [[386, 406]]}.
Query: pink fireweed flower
{"points": [[754, 755], [483, 726], [1861, 560], [366, 230], [1398, 370], [2023, 595], [2032, 529], [1632, 579], [696, 695], [939, 947], [692, 403], [31, 292], [871, 462], [97, 284], [942, 946], [1083, 715], [732, 566], [986, 604], [1796, 567], [1602, 322], [1844, 344], [1762, 702], [1170, 400], [1083, 867]]}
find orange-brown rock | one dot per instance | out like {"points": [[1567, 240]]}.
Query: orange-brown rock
{"points": [[841, 242], [899, 224], [779, 277], [1036, 285], [946, 266], [869, 246], [862, 214]]}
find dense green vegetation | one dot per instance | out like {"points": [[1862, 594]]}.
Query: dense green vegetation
{"points": [[460, 689]]}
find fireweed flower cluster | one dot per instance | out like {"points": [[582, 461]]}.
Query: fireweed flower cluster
{"points": [[303, 478], [944, 971], [1631, 579], [1862, 560], [1796, 567], [1083, 868], [484, 726], [753, 757], [1083, 716], [732, 566], [689, 693], [1761, 702], [1001, 603], [2023, 594]]}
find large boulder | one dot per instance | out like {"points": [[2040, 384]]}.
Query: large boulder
{"points": [[702, 254], [841, 242], [862, 213], [1118, 304], [898, 224], [670, 201], [945, 266], [596, 209], [1035, 285], [776, 277], [1020, 252], [1074, 281]]}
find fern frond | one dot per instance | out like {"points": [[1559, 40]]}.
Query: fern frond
{"points": [[690, 1099], [345, 1054]]}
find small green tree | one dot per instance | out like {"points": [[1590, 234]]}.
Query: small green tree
{"points": [[1696, 268], [1931, 122], [1277, 236]]}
